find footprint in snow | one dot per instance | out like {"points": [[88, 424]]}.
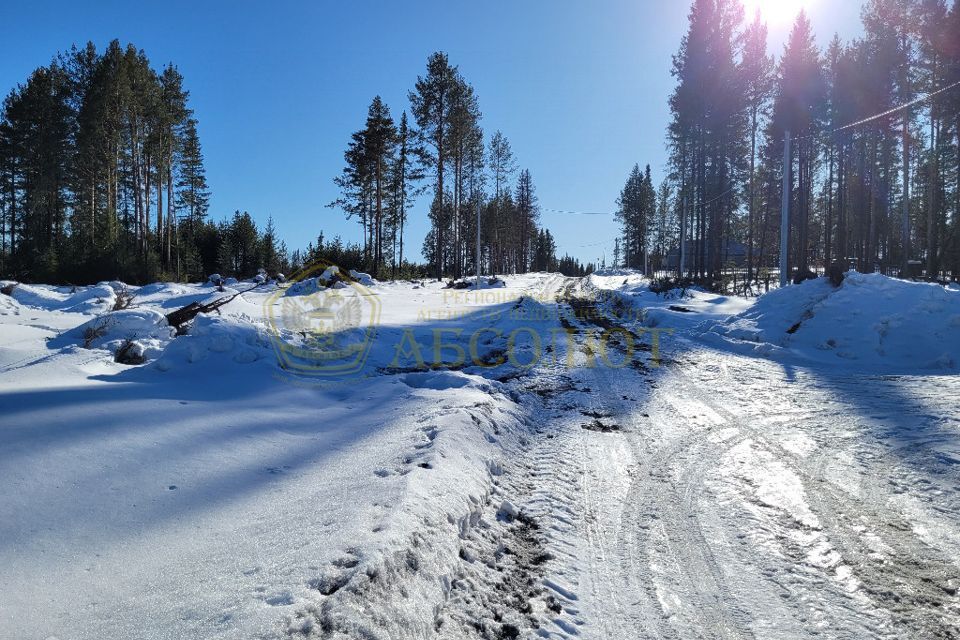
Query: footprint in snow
{"points": [[279, 600], [330, 583]]}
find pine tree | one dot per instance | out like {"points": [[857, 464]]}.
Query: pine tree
{"points": [[756, 67], [636, 207], [798, 108], [501, 168], [174, 123], [431, 103], [380, 139], [192, 195], [406, 175], [707, 132], [528, 212]]}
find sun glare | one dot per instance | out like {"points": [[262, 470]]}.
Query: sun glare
{"points": [[776, 12]]}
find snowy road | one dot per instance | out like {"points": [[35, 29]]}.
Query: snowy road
{"points": [[593, 495], [737, 498]]}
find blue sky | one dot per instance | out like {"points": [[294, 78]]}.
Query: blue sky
{"points": [[579, 88]]}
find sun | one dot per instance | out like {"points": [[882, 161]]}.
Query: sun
{"points": [[776, 12]]}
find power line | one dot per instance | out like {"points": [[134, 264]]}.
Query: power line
{"points": [[607, 213], [900, 108], [578, 213], [888, 112], [851, 125]]}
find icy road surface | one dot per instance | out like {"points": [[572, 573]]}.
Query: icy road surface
{"points": [[717, 495]]}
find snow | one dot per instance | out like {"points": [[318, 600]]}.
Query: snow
{"points": [[68, 299], [625, 294], [212, 492], [109, 331], [363, 278], [209, 494], [870, 322]]}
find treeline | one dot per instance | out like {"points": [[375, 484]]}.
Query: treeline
{"points": [[648, 220], [875, 193], [442, 150], [101, 171]]}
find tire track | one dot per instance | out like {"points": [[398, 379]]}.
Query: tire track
{"points": [[911, 584]]}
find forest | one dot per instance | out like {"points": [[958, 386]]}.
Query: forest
{"points": [[871, 165], [101, 172], [102, 177], [469, 181]]}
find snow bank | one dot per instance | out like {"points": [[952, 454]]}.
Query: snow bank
{"points": [[303, 287], [8, 304], [363, 278], [331, 278], [95, 299], [227, 341], [146, 327], [436, 380], [625, 294], [622, 279], [869, 321], [162, 290]]}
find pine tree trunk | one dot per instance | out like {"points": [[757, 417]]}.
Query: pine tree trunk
{"points": [[170, 209], [828, 228], [750, 195], [932, 201]]}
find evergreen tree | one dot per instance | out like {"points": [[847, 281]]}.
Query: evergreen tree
{"points": [[799, 108], [432, 103], [380, 139], [192, 195], [527, 214], [756, 69], [406, 175], [636, 208]]}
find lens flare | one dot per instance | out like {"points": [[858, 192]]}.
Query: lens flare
{"points": [[776, 12]]}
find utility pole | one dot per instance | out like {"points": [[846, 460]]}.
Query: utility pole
{"points": [[785, 214], [683, 236]]}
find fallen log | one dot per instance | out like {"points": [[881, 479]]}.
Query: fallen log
{"points": [[8, 289], [177, 319]]}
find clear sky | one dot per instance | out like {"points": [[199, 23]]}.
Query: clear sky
{"points": [[579, 87]]}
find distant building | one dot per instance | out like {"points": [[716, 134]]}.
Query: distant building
{"points": [[731, 252]]}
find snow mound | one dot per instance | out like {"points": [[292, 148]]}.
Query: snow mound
{"points": [[229, 341], [95, 299], [8, 304], [491, 282], [304, 287], [871, 320], [331, 278], [161, 290], [146, 327], [363, 278], [436, 380], [628, 281]]}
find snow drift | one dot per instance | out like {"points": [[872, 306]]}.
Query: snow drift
{"points": [[95, 299], [145, 327], [869, 321], [221, 342]]}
